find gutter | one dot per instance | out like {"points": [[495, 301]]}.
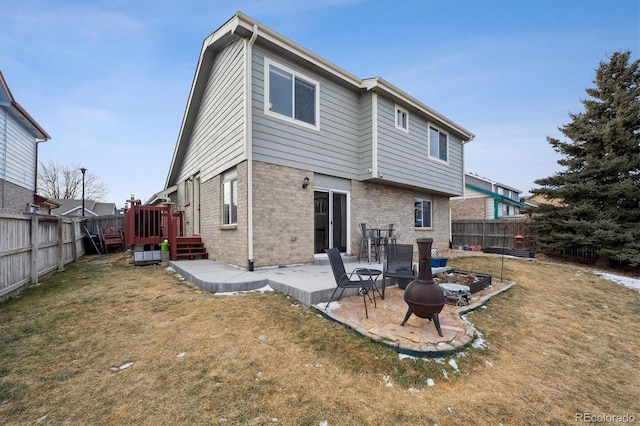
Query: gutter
{"points": [[35, 182]]}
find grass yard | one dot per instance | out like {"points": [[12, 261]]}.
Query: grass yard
{"points": [[105, 343]]}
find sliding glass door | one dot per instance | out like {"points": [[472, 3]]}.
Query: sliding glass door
{"points": [[330, 220]]}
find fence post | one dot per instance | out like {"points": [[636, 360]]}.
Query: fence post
{"points": [[34, 249], [74, 241], [60, 244], [484, 233]]}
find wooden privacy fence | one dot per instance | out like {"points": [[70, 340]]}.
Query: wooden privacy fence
{"points": [[490, 233], [32, 245], [97, 224]]}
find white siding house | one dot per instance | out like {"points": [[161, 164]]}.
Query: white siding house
{"points": [[20, 135]]}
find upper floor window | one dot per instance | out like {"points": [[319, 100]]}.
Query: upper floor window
{"points": [[422, 209], [402, 119], [230, 197], [290, 95], [438, 144]]}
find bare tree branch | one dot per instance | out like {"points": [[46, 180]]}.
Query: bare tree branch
{"points": [[65, 182]]}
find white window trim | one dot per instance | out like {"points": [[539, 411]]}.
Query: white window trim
{"points": [[429, 126], [430, 212], [267, 63], [395, 118], [228, 176]]}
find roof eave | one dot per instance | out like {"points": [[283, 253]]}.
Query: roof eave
{"points": [[380, 84]]}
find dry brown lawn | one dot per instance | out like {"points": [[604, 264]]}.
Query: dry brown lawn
{"points": [[105, 343]]}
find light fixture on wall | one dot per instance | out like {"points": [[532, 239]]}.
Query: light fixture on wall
{"points": [[305, 182]]}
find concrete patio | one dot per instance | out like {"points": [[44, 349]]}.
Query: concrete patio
{"points": [[313, 284]]}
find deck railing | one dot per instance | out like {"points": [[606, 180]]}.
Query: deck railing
{"points": [[151, 225]]}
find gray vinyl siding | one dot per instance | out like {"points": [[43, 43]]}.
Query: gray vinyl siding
{"points": [[366, 135], [217, 139], [335, 149], [343, 145], [17, 152], [404, 157]]}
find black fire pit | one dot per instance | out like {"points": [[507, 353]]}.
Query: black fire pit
{"points": [[424, 297]]}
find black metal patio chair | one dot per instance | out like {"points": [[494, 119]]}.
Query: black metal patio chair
{"points": [[344, 280], [398, 265]]}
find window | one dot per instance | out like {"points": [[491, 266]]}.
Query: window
{"points": [[230, 197], [402, 119], [438, 144], [187, 192], [422, 211], [290, 95]]}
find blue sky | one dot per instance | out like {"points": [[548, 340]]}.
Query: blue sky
{"points": [[109, 79]]}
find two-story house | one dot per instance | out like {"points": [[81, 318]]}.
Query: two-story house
{"points": [[282, 154], [485, 199], [20, 135]]}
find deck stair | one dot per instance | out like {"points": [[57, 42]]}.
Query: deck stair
{"points": [[190, 248]]}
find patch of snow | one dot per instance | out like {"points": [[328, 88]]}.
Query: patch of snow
{"points": [[479, 343], [489, 363], [332, 306], [631, 283], [122, 367], [181, 354], [231, 293], [445, 374], [387, 381], [405, 356], [430, 382], [454, 365], [169, 269], [324, 423], [414, 390]]}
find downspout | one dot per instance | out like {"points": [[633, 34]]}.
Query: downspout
{"points": [[35, 185], [464, 191], [374, 135], [248, 140], [4, 157]]}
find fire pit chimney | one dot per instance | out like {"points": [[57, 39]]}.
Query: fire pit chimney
{"points": [[424, 297]]}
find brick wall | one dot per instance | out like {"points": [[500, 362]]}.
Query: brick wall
{"points": [[228, 243], [14, 197], [283, 220], [469, 208], [380, 205]]}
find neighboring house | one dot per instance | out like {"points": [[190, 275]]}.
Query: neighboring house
{"points": [[20, 135], [282, 154], [485, 199], [92, 208], [535, 200]]}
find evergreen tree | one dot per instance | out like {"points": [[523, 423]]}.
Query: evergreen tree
{"points": [[599, 188]]}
